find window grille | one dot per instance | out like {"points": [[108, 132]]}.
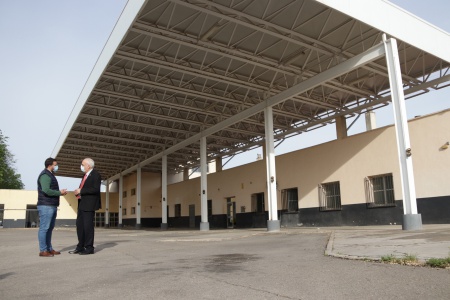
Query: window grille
{"points": [[330, 196], [289, 199], [133, 210], [99, 220], [133, 192], [379, 191], [124, 194], [124, 212], [113, 219]]}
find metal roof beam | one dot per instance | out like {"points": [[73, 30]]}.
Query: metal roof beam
{"points": [[137, 133], [327, 49], [110, 137], [107, 149], [345, 67], [167, 129], [88, 153], [179, 67], [239, 55], [184, 109], [366, 105], [92, 142], [239, 21], [143, 134], [185, 91]]}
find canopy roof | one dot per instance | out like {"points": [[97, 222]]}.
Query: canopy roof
{"points": [[172, 69]]}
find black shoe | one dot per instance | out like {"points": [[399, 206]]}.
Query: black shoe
{"points": [[87, 251], [77, 251]]}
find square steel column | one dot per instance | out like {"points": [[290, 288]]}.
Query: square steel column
{"points": [[138, 197], [120, 199], [107, 204], [411, 220], [273, 224], [204, 225], [164, 201]]}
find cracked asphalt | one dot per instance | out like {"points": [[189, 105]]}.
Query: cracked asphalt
{"points": [[225, 264]]}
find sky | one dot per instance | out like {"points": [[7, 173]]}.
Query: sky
{"points": [[49, 47]]}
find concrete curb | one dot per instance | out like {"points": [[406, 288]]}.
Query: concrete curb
{"points": [[329, 251]]}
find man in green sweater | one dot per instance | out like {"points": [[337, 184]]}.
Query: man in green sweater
{"points": [[47, 205]]}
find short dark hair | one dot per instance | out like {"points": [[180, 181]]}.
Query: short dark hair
{"points": [[49, 162]]}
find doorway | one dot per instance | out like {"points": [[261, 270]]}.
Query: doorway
{"points": [[231, 213], [258, 203], [192, 216], [31, 217]]}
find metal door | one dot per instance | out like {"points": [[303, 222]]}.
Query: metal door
{"points": [[192, 216], [231, 214]]}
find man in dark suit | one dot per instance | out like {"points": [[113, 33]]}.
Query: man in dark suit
{"points": [[89, 201]]}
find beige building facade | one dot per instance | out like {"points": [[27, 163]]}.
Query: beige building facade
{"points": [[352, 180]]}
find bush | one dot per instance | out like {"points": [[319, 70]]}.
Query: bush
{"points": [[439, 262]]}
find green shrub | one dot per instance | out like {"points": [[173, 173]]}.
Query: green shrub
{"points": [[388, 258], [439, 262]]}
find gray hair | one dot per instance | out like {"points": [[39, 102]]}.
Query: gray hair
{"points": [[90, 162]]}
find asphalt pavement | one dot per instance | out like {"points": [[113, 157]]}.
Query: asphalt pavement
{"points": [[295, 263]]}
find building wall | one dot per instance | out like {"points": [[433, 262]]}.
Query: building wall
{"points": [[15, 207], [150, 195], [238, 183], [348, 160]]}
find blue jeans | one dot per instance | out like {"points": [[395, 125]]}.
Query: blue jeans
{"points": [[47, 217]]}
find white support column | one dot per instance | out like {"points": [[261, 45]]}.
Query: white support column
{"points": [[164, 201], [138, 197], [120, 199], [204, 225], [411, 220], [273, 224], [341, 127], [186, 174], [371, 121], [218, 164], [107, 204]]}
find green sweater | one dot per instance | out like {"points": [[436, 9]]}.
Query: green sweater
{"points": [[45, 181]]}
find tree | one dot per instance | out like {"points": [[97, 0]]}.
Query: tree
{"points": [[9, 179]]}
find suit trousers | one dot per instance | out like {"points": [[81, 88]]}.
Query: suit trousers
{"points": [[85, 229]]}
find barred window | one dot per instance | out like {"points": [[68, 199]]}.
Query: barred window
{"points": [[177, 210], [133, 210], [124, 194], [330, 196], [99, 219], [379, 191], [289, 199], [124, 211], [113, 219], [133, 192]]}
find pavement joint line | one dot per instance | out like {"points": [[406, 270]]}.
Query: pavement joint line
{"points": [[329, 248], [253, 288]]}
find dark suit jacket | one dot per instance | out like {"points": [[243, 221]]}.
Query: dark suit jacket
{"points": [[90, 193]]}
